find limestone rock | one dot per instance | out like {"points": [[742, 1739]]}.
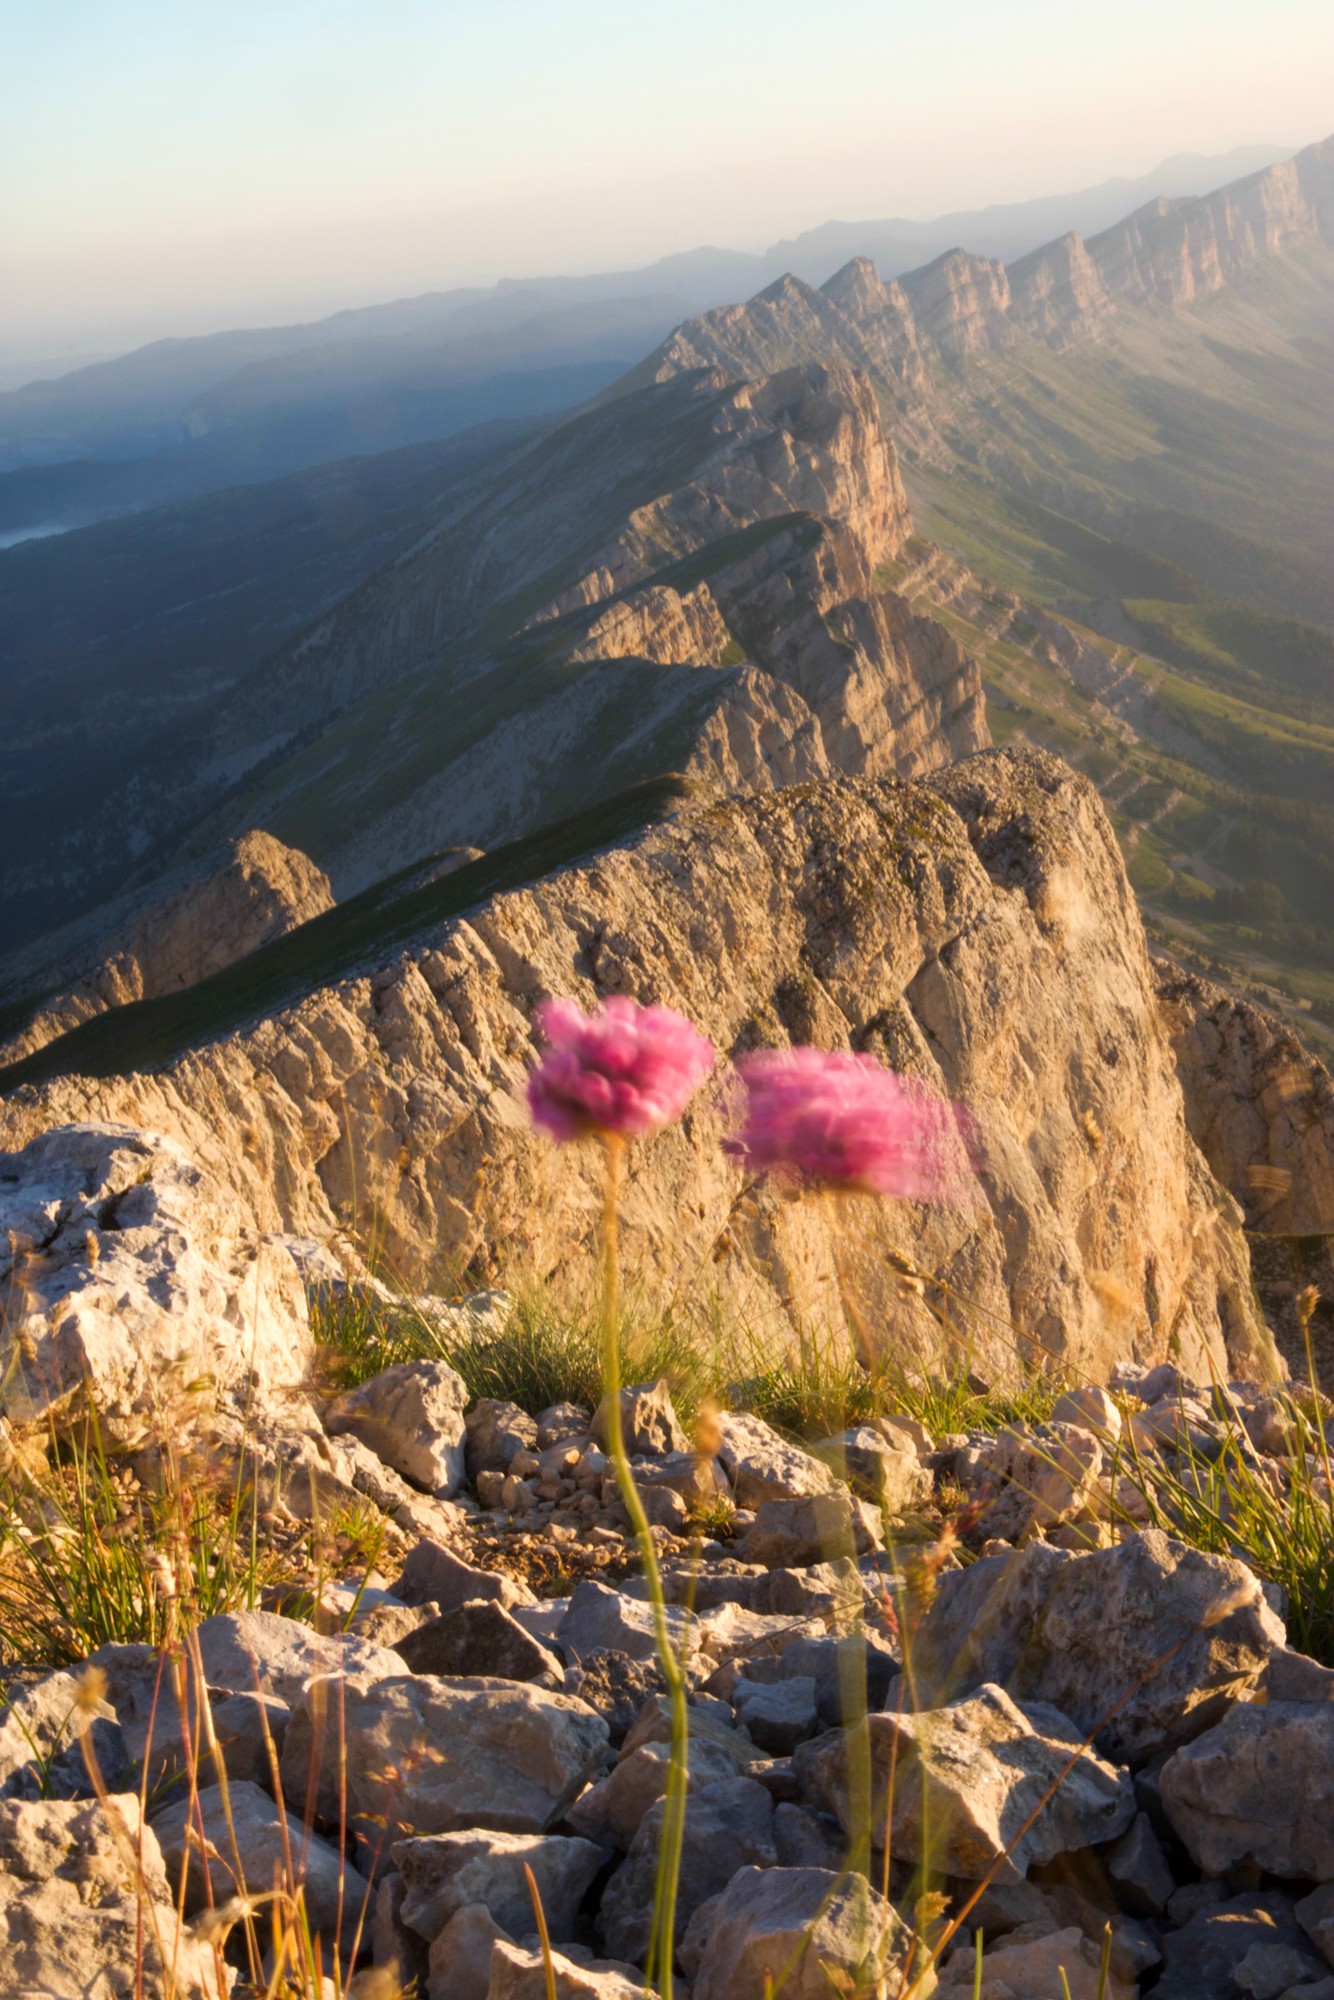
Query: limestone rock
{"points": [[1270, 1970], [42, 1723], [137, 1282], [616, 1686], [496, 1432], [562, 1421], [1090, 1407], [840, 1666], [968, 1777], [517, 1974], [1170, 1634], [82, 1893], [248, 1849], [890, 1472], [249, 1731], [612, 1810], [832, 1591], [1045, 1477], [803, 1919], [447, 1872], [779, 1715], [259, 1652], [806, 1839], [478, 1638], [790, 1534], [396, 1949], [1315, 1914], [1203, 1955], [604, 1620], [411, 1416], [764, 1466], [697, 1479], [648, 1421], [1260, 1105], [1139, 1870], [434, 1574], [436, 1756], [460, 1958], [1032, 1970], [731, 1633], [1253, 1789], [729, 1825]]}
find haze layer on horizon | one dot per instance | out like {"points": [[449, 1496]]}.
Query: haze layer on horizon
{"points": [[173, 168]]}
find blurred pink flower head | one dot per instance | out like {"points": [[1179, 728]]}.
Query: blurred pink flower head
{"points": [[621, 1072], [829, 1118]]}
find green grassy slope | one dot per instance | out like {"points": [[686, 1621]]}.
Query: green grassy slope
{"points": [[1168, 491]]}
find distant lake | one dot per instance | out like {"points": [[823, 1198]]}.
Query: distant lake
{"points": [[11, 537]]}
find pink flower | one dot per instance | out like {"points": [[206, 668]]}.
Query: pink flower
{"points": [[621, 1072], [832, 1119]]}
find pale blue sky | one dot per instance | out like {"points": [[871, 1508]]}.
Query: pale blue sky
{"points": [[167, 165]]}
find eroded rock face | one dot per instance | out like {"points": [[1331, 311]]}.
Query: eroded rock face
{"points": [[960, 306], [137, 1282], [194, 922], [977, 930], [1259, 1104]]}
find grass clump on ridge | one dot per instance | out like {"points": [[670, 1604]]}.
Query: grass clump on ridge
{"points": [[549, 1352]]}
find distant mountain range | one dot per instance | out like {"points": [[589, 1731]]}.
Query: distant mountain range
{"points": [[184, 417]]}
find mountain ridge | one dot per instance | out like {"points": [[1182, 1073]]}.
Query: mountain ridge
{"points": [[961, 305]]}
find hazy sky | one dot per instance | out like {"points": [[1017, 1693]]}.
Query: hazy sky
{"points": [[169, 166]]}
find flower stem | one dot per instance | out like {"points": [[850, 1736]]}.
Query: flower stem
{"points": [[658, 1965]]}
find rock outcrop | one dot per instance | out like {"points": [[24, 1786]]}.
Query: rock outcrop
{"points": [[1261, 1108], [977, 930], [1259, 1104], [137, 1281], [189, 924]]}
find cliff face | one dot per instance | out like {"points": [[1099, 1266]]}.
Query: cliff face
{"points": [[1261, 1108], [976, 929], [1260, 1105], [197, 921]]}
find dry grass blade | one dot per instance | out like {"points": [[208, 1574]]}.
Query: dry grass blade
{"points": [[543, 1935]]}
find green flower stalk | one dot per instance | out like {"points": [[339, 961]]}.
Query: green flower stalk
{"points": [[616, 1075]]}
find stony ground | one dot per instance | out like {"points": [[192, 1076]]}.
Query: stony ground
{"points": [[1068, 1720]]}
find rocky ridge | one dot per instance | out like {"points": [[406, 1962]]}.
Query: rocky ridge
{"points": [[975, 929], [186, 925], [685, 580], [961, 306]]}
